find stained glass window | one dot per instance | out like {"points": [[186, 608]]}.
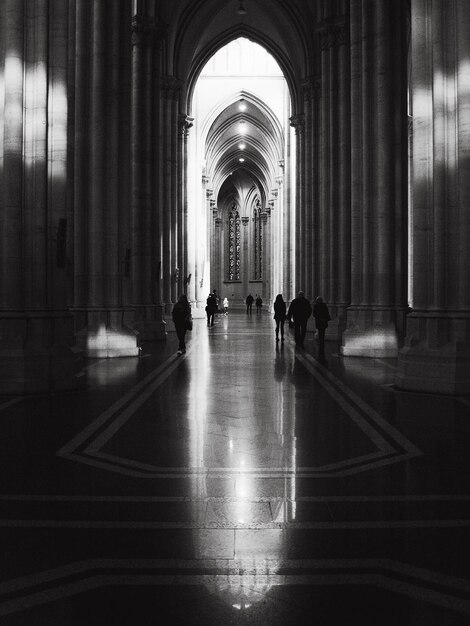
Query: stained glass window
{"points": [[234, 244]]}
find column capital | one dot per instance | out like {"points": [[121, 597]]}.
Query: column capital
{"points": [[245, 220], [184, 124], [333, 32], [298, 122]]}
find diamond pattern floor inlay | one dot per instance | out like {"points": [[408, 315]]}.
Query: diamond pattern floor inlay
{"points": [[246, 482]]}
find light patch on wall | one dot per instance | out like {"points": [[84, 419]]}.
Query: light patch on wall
{"points": [[379, 342], [109, 343], [464, 78], [422, 103]]}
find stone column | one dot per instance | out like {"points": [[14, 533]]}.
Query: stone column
{"points": [[171, 207], [378, 166], [36, 329], [100, 315], [311, 91], [436, 355], [298, 122], [334, 227], [146, 254]]}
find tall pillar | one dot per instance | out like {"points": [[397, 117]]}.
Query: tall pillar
{"points": [[333, 222], [436, 355], [378, 167], [99, 311], [171, 205], [311, 93], [298, 122], [146, 260], [36, 328]]}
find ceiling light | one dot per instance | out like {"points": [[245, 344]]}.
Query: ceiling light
{"points": [[241, 146], [242, 105], [241, 159], [241, 9]]}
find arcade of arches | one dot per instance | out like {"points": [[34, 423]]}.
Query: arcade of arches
{"points": [[117, 195]]}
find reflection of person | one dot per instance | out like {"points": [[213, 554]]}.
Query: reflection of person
{"points": [[225, 305], [279, 315], [300, 310], [259, 303], [211, 308], [322, 317], [249, 302], [180, 314]]}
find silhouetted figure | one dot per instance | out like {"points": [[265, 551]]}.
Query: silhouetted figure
{"points": [[216, 298], [322, 317], [299, 311], [249, 302], [181, 315], [279, 315], [225, 306], [259, 303], [211, 308]]}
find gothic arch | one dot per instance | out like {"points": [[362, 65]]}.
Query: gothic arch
{"points": [[292, 77]]}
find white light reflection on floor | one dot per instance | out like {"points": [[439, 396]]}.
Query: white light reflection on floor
{"points": [[238, 443]]}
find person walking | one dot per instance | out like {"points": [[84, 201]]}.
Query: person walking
{"points": [[181, 315], [211, 308], [279, 315], [225, 306], [299, 311], [259, 303], [249, 302], [322, 317]]}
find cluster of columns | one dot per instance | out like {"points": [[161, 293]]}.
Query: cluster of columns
{"points": [[436, 354], [334, 219], [36, 327], [103, 315], [375, 318]]}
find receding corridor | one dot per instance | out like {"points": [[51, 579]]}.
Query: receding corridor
{"points": [[246, 482]]}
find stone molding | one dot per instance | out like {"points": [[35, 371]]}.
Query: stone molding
{"points": [[146, 31], [311, 87], [333, 32]]}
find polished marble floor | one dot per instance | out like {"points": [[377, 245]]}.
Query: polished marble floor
{"points": [[246, 482]]}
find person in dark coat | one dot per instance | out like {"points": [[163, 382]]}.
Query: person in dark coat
{"points": [[181, 314], [249, 302], [322, 317], [259, 303], [299, 311], [211, 308], [279, 315]]}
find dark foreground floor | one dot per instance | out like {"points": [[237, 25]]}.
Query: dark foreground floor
{"points": [[243, 483]]}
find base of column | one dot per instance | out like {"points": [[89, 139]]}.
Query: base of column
{"points": [[104, 333], [149, 323], [337, 325], [436, 355], [35, 353], [372, 332]]}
